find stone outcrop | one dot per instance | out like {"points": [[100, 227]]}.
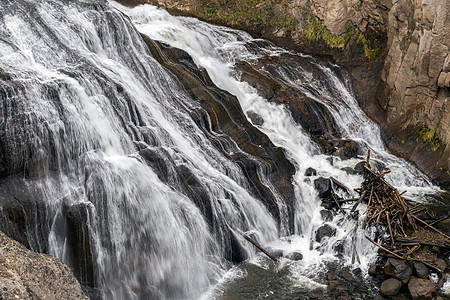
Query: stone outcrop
{"points": [[416, 74], [29, 275]]}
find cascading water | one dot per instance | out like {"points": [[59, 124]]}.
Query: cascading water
{"points": [[83, 96], [103, 138], [218, 50]]}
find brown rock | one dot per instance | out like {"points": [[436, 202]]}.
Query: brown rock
{"points": [[420, 289], [390, 287], [422, 271], [29, 275]]}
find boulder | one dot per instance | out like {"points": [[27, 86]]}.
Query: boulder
{"points": [[390, 287], [326, 215], [323, 187], [295, 256], [421, 270], [421, 289], [398, 269], [310, 172], [324, 231], [359, 168]]}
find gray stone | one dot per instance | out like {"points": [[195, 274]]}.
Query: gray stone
{"points": [[398, 269], [390, 287]]}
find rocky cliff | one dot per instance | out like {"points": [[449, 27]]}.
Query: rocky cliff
{"points": [[397, 52], [29, 275]]}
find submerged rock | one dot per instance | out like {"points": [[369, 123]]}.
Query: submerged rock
{"points": [[390, 287], [255, 118], [295, 256], [324, 231], [310, 172]]}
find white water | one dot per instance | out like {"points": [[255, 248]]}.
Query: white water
{"points": [[87, 96], [217, 49]]}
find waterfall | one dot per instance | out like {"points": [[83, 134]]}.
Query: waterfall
{"points": [[219, 50], [113, 153]]}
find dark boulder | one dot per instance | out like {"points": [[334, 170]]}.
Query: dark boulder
{"points": [[310, 172], [324, 231], [359, 168], [421, 289], [421, 270], [398, 269], [375, 269], [390, 287], [295, 256], [323, 187]]}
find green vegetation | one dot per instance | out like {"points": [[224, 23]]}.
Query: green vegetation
{"points": [[317, 31], [371, 49], [248, 14], [430, 136]]}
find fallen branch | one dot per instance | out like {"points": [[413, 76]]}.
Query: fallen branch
{"points": [[259, 247]]}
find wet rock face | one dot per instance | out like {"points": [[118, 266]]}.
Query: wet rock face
{"points": [[223, 114], [28, 275], [416, 73], [77, 218]]}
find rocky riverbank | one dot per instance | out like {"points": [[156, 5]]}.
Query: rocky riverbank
{"points": [[395, 51], [25, 274]]}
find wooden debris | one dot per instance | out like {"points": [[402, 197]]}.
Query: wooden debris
{"points": [[259, 247], [398, 215]]}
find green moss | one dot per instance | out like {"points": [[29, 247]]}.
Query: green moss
{"points": [[430, 137], [317, 31], [210, 10], [371, 49]]}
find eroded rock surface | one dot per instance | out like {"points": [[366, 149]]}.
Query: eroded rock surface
{"points": [[29, 275]]}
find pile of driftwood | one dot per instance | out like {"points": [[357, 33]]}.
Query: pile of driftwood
{"points": [[386, 206]]}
